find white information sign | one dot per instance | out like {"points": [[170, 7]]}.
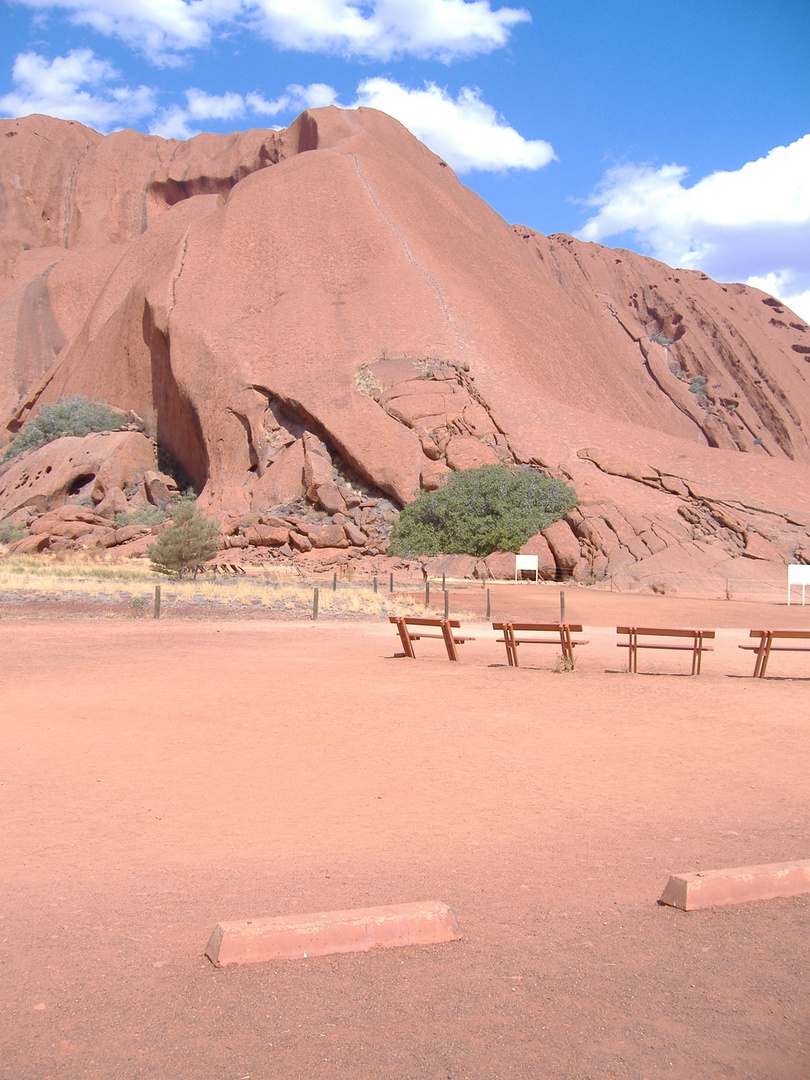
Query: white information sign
{"points": [[798, 574], [527, 562]]}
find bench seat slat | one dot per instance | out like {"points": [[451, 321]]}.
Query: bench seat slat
{"points": [[562, 638], [404, 623], [681, 648], [697, 647], [766, 646]]}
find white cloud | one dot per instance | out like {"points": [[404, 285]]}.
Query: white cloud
{"points": [[294, 98], [374, 29], [750, 225], [464, 131], [158, 28], [202, 106], [176, 122], [56, 88], [173, 123], [783, 283], [446, 29]]}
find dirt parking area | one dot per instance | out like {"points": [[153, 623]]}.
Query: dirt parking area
{"points": [[161, 776]]}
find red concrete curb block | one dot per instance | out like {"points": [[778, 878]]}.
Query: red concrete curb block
{"points": [[295, 936], [738, 885]]}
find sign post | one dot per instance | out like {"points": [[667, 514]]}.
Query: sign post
{"points": [[798, 574]]}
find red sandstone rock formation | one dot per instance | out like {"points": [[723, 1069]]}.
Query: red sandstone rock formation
{"points": [[327, 313]]}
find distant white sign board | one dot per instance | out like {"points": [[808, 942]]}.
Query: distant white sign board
{"points": [[527, 562], [798, 575]]}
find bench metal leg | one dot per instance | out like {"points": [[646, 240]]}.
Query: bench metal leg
{"points": [[511, 648], [405, 638], [449, 640], [763, 652], [632, 653], [565, 643]]}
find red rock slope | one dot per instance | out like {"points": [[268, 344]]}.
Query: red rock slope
{"points": [[290, 311]]}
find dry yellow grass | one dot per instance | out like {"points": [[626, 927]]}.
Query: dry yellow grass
{"points": [[92, 575]]}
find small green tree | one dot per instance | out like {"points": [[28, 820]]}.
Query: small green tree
{"points": [[186, 545], [479, 511], [74, 416]]}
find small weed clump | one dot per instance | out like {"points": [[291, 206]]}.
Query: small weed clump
{"points": [[76, 416], [564, 663]]}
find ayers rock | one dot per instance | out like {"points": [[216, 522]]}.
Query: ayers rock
{"points": [[326, 312]]}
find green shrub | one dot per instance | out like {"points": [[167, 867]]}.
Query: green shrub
{"points": [[76, 416], [186, 545], [479, 511], [697, 384], [147, 515], [9, 534]]}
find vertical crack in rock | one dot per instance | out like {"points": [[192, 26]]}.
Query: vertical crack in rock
{"points": [[177, 424], [408, 253], [659, 381], [762, 406], [179, 264], [69, 194], [39, 335]]}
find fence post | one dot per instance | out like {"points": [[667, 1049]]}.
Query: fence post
{"points": [[375, 583], [443, 584], [446, 604], [391, 582], [157, 601], [427, 593], [334, 582], [489, 607], [562, 606], [315, 603]]}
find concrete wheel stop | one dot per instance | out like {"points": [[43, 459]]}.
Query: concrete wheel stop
{"points": [[738, 885], [293, 937]]}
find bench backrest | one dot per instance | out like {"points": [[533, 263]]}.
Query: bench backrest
{"points": [[412, 620], [654, 631], [781, 633]]}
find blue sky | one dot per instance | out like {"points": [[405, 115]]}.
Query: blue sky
{"points": [[678, 128]]}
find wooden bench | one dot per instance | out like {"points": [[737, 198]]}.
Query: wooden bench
{"points": [[563, 639], [697, 646], [446, 626], [766, 646]]}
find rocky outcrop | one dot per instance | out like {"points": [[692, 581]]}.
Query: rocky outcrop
{"points": [[112, 471], [321, 322]]}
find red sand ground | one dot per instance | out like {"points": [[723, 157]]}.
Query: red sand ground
{"points": [[159, 777]]}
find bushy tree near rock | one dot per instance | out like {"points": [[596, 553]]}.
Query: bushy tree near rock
{"points": [[73, 416], [479, 511], [186, 545]]}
